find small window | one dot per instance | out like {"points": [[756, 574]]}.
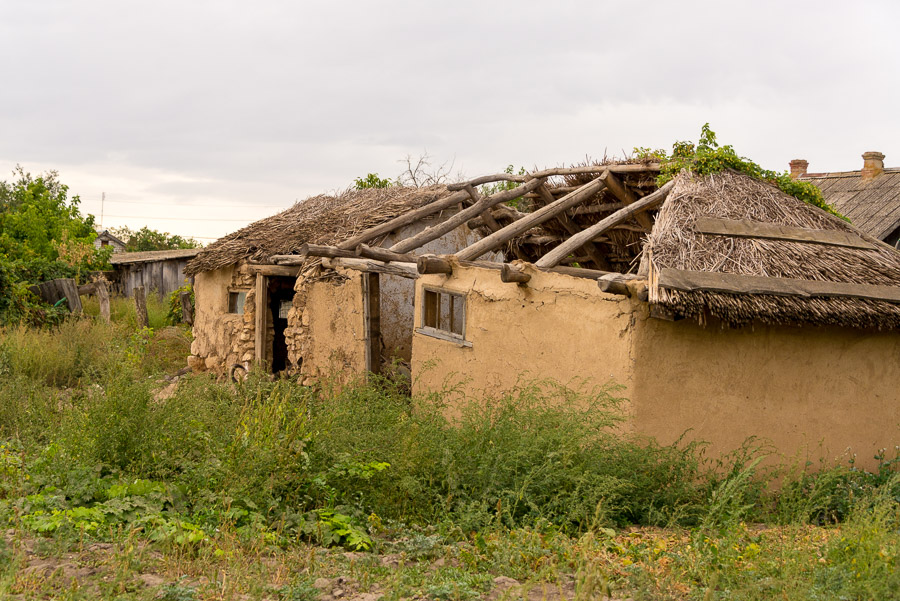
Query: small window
{"points": [[283, 308], [236, 302], [444, 315]]}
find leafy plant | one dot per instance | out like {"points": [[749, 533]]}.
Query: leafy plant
{"points": [[371, 180], [174, 315], [707, 157]]}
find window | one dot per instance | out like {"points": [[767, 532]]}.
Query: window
{"points": [[236, 301], [444, 315]]}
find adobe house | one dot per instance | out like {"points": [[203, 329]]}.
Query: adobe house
{"points": [[870, 197], [724, 307]]}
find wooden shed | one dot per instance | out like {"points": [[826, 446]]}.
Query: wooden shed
{"points": [[158, 270]]}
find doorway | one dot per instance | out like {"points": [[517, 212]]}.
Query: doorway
{"points": [[281, 296]]}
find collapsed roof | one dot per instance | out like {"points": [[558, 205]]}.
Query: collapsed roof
{"points": [[726, 245]]}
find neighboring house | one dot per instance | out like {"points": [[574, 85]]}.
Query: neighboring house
{"points": [[869, 198], [735, 311], [104, 238], [160, 271]]}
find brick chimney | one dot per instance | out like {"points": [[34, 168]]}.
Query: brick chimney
{"points": [[798, 168], [873, 165]]}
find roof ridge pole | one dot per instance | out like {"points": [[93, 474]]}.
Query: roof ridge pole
{"points": [[439, 229], [538, 217], [552, 258]]}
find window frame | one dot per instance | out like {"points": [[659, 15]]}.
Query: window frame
{"points": [[238, 292], [430, 313]]}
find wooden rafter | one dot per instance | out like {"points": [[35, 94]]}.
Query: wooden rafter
{"points": [[538, 217], [618, 189], [589, 247], [556, 255], [451, 223], [406, 219]]}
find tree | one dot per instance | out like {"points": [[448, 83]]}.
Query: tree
{"points": [[43, 236], [42, 232], [148, 239]]}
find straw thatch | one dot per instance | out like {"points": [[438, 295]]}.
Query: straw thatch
{"points": [[321, 219], [675, 244]]}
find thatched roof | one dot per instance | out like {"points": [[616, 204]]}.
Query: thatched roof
{"points": [[675, 244], [321, 219], [872, 205]]}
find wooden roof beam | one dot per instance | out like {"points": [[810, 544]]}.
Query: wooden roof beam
{"points": [[592, 251], [553, 258], [439, 229], [618, 189], [538, 217], [408, 218]]}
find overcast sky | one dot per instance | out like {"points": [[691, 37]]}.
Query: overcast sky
{"points": [[206, 115]]}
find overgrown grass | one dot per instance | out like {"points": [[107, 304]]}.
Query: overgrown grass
{"points": [[540, 484]]}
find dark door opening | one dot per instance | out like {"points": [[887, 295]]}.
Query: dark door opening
{"points": [[281, 296]]}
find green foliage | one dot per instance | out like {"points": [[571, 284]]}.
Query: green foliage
{"points": [[371, 180], [146, 239], [707, 157], [175, 316], [537, 484], [520, 204], [43, 236]]}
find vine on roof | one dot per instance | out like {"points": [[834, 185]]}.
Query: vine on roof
{"points": [[708, 157]]}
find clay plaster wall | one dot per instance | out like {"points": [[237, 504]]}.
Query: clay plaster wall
{"points": [[810, 390], [520, 333], [334, 342], [815, 391]]}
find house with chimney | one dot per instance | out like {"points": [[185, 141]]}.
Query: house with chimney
{"points": [[869, 198]]}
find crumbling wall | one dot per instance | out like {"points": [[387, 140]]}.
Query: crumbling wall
{"points": [[326, 326], [222, 339]]}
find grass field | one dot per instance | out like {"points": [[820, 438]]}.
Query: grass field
{"points": [[118, 482]]}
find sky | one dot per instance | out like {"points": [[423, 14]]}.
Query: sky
{"points": [[198, 117]]}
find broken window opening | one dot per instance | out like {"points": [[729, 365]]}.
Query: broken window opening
{"points": [[236, 300]]}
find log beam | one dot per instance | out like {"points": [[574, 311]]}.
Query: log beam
{"points": [[592, 251], [618, 189], [429, 264], [382, 254], [407, 218], [439, 229], [513, 274], [543, 214], [655, 199], [403, 270]]}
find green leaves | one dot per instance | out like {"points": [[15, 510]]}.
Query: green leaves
{"points": [[707, 157]]}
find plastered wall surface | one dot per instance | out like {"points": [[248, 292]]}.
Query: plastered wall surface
{"points": [[521, 333], [334, 343], [811, 391]]}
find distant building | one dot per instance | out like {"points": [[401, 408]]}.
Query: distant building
{"points": [[869, 198], [161, 271], [104, 238]]}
